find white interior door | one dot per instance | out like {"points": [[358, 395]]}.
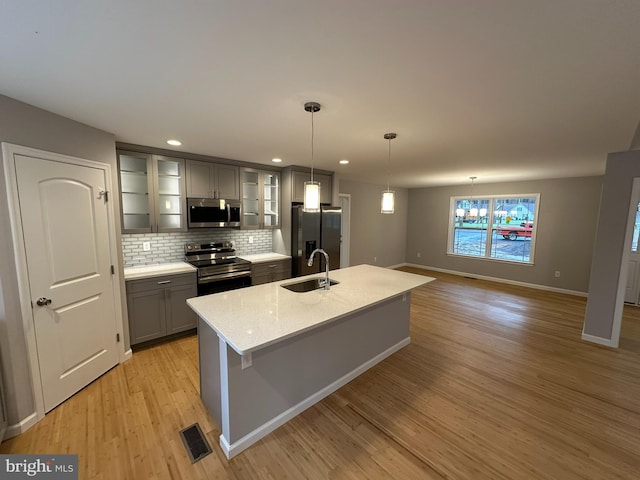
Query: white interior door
{"points": [[65, 229]]}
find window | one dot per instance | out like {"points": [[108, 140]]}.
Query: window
{"points": [[499, 227], [636, 231]]}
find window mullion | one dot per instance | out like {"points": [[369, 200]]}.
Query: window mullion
{"points": [[489, 240]]}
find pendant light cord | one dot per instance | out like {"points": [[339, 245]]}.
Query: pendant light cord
{"points": [[471, 199], [389, 165]]}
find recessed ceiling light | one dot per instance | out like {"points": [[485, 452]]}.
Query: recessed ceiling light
{"points": [[276, 160], [175, 143], [343, 162]]}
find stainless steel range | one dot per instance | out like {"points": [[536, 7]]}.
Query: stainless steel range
{"points": [[219, 269]]}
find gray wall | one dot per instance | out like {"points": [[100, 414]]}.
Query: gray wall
{"points": [[25, 125], [374, 234], [566, 227], [609, 248]]}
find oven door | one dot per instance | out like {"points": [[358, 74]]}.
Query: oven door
{"points": [[223, 281]]}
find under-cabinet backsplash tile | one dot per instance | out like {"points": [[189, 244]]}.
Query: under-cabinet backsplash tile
{"points": [[169, 247]]}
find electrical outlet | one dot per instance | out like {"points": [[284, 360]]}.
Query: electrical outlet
{"points": [[418, 254], [146, 246], [375, 259], [250, 239], [557, 274]]}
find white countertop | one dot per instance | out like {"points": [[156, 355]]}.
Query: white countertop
{"points": [[148, 271], [252, 318], [264, 257]]}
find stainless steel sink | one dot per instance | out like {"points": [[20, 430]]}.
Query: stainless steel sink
{"points": [[307, 285]]}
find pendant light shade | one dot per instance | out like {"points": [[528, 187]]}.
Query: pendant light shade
{"points": [[312, 188], [311, 196], [388, 201], [388, 196]]}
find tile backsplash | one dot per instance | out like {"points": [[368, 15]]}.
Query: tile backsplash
{"points": [[169, 247]]}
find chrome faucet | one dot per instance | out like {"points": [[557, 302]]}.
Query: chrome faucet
{"points": [[323, 283]]}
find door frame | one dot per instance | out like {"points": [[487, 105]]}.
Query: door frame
{"points": [[345, 243], [622, 279], [15, 220], [633, 208]]}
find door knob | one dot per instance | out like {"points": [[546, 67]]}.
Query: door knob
{"points": [[41, 302]]}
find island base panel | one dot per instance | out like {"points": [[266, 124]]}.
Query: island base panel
{"points": [[292, 375], [209, 364]]}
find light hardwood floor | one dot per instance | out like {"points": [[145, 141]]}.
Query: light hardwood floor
{"points": [[496, 384]]}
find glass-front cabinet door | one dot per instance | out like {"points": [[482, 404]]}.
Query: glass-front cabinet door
{"points": [[171, 200], [260, 198], [250, 185], [152, 193], [271, 199], [136, 189]]}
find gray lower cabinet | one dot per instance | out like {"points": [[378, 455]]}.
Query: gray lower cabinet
{"points": [[266, 272], [157, 306]]}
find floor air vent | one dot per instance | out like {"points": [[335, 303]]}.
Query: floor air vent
{"points": [[195, 443]]}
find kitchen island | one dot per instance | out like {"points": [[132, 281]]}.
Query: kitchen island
{"points": [[267, 353]]}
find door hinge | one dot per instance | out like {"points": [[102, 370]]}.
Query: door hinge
{"points": [[113, 270], [117, 338]]}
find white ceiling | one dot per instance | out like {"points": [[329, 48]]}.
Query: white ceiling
{"points": [[498, 89]]}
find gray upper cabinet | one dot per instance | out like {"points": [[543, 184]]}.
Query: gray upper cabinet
{"points": [[212, 180], [136, 187], [170, 199], [152, 192], [260, 198], [326, 185]]}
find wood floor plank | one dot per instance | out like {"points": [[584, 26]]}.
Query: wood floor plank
{"points": [[496, 384]]}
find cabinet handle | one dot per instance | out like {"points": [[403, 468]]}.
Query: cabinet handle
{"points": [[164, 282]]}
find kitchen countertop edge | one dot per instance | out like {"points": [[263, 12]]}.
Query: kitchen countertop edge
{"points": [[271, 314], [150, 271], [264, 257]]}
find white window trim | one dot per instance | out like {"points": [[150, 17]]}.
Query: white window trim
{"points": [[451, 228]]}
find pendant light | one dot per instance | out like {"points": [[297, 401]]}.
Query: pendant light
{"points": [[311, 189], [388, 196], [473, 211]]}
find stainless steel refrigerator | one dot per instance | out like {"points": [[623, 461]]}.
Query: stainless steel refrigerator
{"points": [[315, 230]]}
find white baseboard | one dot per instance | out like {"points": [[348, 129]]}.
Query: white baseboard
{"points": [[398, 265], [29, 421], [22, 426], [498, 280], [231, 450], [607, 342]]}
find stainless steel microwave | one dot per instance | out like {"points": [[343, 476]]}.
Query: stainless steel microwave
{"points": [[210, 213]]}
